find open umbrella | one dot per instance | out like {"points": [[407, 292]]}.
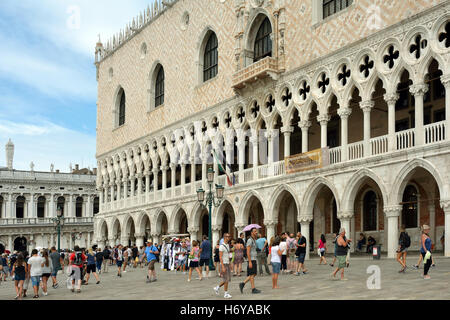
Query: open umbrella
{"points": [[251, 226]]}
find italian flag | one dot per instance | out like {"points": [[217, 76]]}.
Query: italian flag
{"points": [[230, 181]]}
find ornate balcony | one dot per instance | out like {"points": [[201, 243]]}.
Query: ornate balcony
{"points": [[258, 70]]}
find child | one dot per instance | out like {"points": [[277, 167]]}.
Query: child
{"points": [[275, 262]]}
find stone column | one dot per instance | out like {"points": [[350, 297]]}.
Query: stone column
{"points": [[9, 207], [112, 191], [71, 206], [215, 235], [119, 193], [344, 113], [156, 238], [32, 211], [133, 185], [183, 178], [304, 223], [323, 120], [155, 182], [445, 205], [269, 136], [287, 131], [193, 233], [419, 90], [10, 243], [112, 241], [139, 239], [241, 157], [139, 177], [52, 240], [88, 244], [392, 213], [193, 175], [89, 207], [70, 241], [254, 141], [446, 83], [124, 240], [105, 190], [164, 180], [391, 100], [270, 228], [304, 125], [147, 184], [173, 171], [366, 107]]}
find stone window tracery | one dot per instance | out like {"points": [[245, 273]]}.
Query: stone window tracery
{"points": [[159, 87]]}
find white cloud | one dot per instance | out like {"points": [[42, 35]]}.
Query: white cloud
{"points": [[45, 144]]}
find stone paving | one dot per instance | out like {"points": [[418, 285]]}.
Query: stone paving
{"points": [[315, 285]]}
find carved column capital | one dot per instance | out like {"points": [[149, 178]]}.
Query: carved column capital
{"points": [[270, 223], [445, 205], [391, 98], [304, 124], [419, 90], [445, 80], [192, 229], [287, 130], [344, 113], [323, 119], [392, 211], [367, 105], [345, 215], [305, 219]]}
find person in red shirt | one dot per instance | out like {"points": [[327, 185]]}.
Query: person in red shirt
{"points": [[76, 260]]}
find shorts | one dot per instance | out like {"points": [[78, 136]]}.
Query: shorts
{"points": [[292, 255], [35, 281], [322, 253], [342, 260], [54, 273], [216, 259], [4, 270], [46, 275], [226, 276], [301, 257], [276, 266], [76, 273], [19, 277], [91, 268], [204, 262], [119, 263], [252, 271], [151, 265], [404, 250], [193, 264]]}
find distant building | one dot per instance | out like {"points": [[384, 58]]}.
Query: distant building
{"points": [[29, 201]]}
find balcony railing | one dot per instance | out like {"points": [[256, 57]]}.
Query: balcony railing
{"points": [[405, 139], [379, 145], [435, 132], [259, 69], [356, 150], [43, 221], [335, 155]]}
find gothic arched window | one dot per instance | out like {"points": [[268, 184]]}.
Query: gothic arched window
{"points": [[210, 58], [159, 87], [331, 7], [20, 207], [409, 212], [263, 42], [370, 211], [122, 108]]}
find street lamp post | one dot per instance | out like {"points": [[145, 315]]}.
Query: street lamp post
{"points": [[210, 201], [58, 222]]}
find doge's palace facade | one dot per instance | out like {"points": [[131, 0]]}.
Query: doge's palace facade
{"points": [[329, 113]]}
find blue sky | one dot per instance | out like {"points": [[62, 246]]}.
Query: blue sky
{"points": [[48, 89]]}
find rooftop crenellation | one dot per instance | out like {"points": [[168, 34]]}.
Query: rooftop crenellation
{"points": [[135, 26]]}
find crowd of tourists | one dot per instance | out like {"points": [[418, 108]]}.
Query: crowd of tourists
{"points": [[284, 253]]}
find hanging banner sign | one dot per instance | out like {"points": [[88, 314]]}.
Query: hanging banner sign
{"points": [[307, 161]]}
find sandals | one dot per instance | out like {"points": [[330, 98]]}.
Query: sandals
{"points": [[35, 297]]}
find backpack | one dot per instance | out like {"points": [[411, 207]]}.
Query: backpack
{"points": [[406, 240], [78, 258]]}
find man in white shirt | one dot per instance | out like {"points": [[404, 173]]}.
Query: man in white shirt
{"points": [[36, 264], [225, 271]]}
